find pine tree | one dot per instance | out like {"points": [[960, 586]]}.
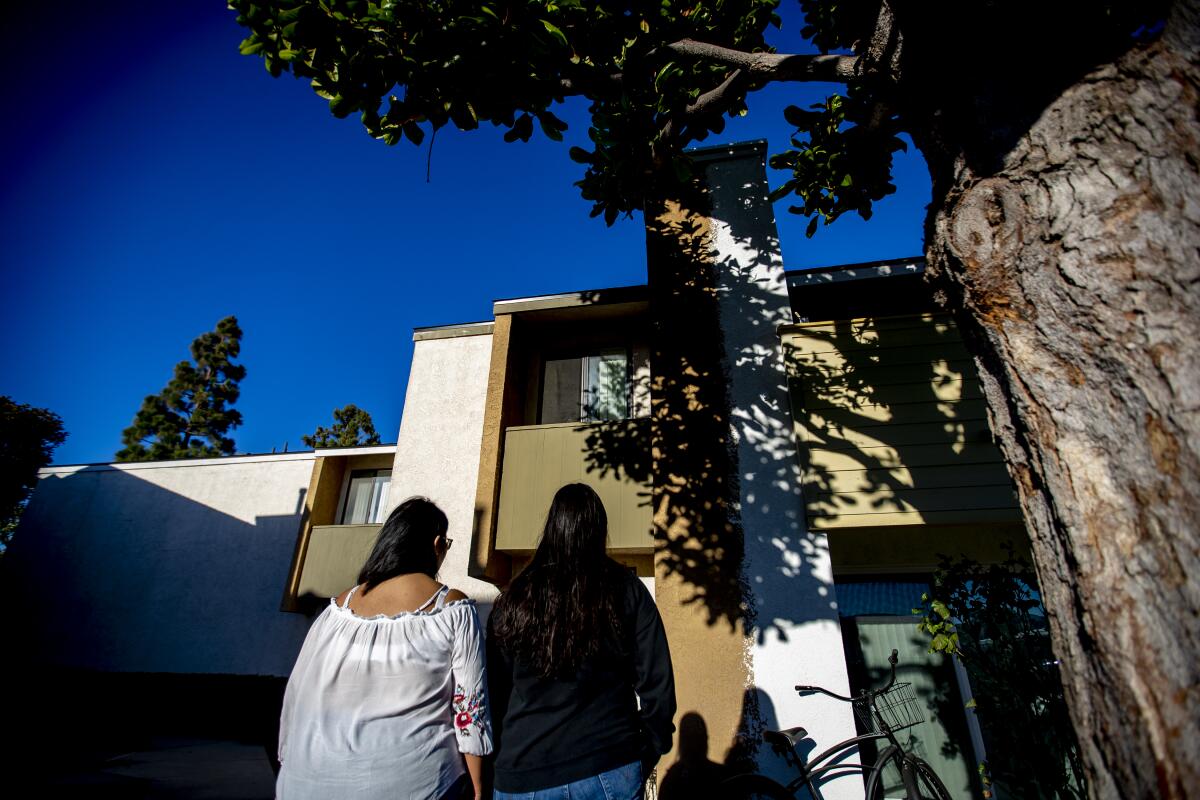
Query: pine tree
{"points": [[28, 437], [352, 427], [191, 417]]}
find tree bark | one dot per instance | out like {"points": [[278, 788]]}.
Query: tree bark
{"points": [[1072, 251]]}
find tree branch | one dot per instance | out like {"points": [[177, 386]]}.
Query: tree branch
{"points": [[883, 50], [714, 99], [773, 66]]}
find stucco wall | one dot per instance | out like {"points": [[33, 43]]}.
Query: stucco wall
{"points": [[437, 451], [161, 567], [796, 633]]}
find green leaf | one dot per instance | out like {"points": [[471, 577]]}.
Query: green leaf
{"points": [[549, 129], [579, 155], [669, 70], [794, 115], [812, 227], [414, 132], [553, 30]]}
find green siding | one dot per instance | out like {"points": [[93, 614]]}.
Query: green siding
{"points": [[891, 425]]}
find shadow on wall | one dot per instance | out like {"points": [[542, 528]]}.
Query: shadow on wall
{"points": [[887, 413], [891, 417], [684, 451], [133, 611], [695, 775], [111, 572]]}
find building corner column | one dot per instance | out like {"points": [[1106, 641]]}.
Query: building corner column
{"points": [[746, 589]]}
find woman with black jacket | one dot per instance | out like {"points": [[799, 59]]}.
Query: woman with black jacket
{"points": [[579, 673]]}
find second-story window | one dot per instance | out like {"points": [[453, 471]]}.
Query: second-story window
{"points": [[590, 388], [366, 496]]}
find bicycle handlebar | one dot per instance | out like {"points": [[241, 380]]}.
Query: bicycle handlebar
{"points": [[893, 659], [807, 689]]}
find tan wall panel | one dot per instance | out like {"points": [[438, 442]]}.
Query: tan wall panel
{"points": [[888, 373], [500, 409], [336, 554], [928, 390], [842, 360], [842, 437], [852, 335], [538, 460], [918, 455], [941, 476], [872, 414], [885, 323], [320, 508], [979, 516], [887, 499]]}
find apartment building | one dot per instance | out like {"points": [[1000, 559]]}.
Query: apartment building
{"points": [[851, 448]]}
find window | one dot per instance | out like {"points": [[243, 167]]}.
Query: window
{"points": [[591, 388], [366, 496]]}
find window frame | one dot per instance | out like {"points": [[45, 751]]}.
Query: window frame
{"points": [[581, 354], [348, 482]]}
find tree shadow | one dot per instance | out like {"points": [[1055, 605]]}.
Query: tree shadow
{"points": [[767, 444]]}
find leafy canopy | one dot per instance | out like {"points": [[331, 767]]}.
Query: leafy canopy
{"points": [[661, 74], [352, 427], [28, 437], [409, 67], [191, 417]]}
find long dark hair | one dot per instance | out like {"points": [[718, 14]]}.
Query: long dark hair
{"points": [[563, 608], [405, 543]]}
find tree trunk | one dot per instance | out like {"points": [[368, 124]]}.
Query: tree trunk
{"points": [[1074, 256]]}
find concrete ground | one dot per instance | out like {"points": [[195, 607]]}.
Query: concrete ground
{"points": [[179, 769]]}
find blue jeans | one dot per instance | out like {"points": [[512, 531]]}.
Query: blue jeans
{"points": [[622, 783]]}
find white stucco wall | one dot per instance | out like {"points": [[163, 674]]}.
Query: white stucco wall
{"points": [[797, 636], [161, 566], [437, 451]]}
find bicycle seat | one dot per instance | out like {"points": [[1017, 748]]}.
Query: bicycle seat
{"points": [[785, 738]]}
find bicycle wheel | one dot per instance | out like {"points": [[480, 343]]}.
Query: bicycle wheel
{"points": [[875, 787], [753, 787], [929, 784]]}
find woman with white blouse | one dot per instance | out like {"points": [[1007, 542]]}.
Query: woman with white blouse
{"points": [[388, 697]]}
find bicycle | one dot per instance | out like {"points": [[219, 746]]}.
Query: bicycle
{"points": [[882, 713]]}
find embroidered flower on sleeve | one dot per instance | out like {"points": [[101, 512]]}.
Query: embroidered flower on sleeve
{"points": [[468, 712]]}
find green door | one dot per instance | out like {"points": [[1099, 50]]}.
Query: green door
{"points": [[870, 633]]}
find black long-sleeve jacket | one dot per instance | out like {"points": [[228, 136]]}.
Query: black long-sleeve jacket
{"points": [[617, 708]]}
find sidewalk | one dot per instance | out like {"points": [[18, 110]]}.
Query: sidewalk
{"points": [[180, 769]]}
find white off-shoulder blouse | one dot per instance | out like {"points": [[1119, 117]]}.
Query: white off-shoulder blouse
{"points": [[384, 706]]}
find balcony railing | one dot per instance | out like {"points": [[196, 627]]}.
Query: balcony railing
{"points": [[538, 459], [334, 557]]}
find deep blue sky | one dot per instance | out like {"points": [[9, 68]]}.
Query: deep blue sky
{"points": [[153, 181]]}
